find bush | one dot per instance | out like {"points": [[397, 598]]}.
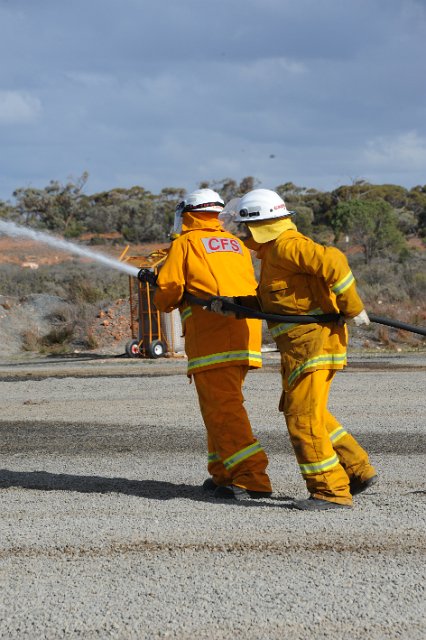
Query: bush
{"points": [[71, 281], [391, 281], [31, 340]]}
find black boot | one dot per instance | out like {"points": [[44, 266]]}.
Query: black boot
{"points": [[316, 504], [356, 486], [209, 485]]}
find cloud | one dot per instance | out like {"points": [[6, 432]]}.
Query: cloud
{"points": [[178, 92], [264, 69], [89, 79], [406, 151], [18, 107]]}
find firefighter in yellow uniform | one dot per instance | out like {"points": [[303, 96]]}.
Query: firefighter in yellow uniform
{"points": [[301, 277], [205, 260]]}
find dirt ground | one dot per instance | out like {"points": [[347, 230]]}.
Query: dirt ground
{"points": [[106, 533], [31, 255], [110, 326]]}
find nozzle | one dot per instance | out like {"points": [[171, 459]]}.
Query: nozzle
{"points": [[147, 276]]}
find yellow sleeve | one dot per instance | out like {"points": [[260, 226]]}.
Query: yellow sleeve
{"points": [[343, 285], [331, 265], [171, 279]]}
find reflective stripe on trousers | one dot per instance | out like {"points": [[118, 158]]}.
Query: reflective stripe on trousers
{"points": [[241, 455], [305, 410], [337, 434], [352, 457], [328, 455], [235, 455], [318, 467]]}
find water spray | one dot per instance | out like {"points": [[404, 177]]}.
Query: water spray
{"points": [[16, 231]]}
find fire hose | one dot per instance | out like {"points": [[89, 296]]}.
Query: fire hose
{"points": [[147, 276], [246, 312]]}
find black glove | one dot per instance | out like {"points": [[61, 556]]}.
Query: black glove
{"points": [[216, 305], [147, 276]]}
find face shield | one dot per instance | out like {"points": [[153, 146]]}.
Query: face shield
{"points": [[177, 223], [228, 214], [231, 220]]}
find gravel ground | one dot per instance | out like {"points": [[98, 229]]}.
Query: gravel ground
{"points": [[105, 532]]}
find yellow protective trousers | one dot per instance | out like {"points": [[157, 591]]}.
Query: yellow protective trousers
{"points": [[328, 456], [235, 456]]}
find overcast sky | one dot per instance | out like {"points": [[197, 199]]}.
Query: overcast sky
{"points": [[168, 93]]}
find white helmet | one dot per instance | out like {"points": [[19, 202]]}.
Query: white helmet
{"points": [[261, 204], [201, 200]]}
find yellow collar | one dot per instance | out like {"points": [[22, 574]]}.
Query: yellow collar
{"points": [[201, 220]]}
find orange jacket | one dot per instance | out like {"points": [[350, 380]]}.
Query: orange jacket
{"points": [[300, 277], [205, 260]]}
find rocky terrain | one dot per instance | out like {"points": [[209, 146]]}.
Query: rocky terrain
{"points": [[108, 323]]}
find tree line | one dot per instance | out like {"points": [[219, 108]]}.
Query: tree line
{"points": [[377, 218]]}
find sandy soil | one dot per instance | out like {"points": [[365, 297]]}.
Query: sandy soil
{"points": [[30, 254], [105, 532]]}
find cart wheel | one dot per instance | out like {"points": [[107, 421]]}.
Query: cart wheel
{"points": [[156, 349], [132, 349]]}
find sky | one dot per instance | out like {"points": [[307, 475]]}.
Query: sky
{"points": [[170, 93]]}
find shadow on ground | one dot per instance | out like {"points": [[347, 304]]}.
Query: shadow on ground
{"points": [[151, 489]]}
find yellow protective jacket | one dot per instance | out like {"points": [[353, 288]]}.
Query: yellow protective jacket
{"points": [[205, 260], [299, 276]]}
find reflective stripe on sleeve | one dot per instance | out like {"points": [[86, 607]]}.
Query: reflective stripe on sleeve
{"points": [[243, 454], [213, 457], [253, 357], [337, 434], [319, 467], [185, 314], [342, 285], [326, 359]]}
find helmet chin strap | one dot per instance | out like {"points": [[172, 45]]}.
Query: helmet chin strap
{"points": [[243, 231], [205, 206]]}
